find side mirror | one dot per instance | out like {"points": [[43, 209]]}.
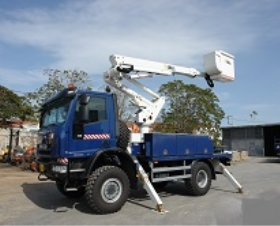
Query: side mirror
{"points": [[84, 99], [83, 108]]}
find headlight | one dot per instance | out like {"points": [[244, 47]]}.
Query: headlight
{"points": [[59, 169]]}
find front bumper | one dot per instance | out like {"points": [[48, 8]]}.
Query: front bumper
{"points": [[53, 170]]}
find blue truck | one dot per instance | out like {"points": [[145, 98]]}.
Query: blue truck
{"points": [[88, 151]]}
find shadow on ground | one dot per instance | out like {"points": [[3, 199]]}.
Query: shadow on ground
{"points": [[173, 188], [224, 190], [270, 160], [45, 195]]}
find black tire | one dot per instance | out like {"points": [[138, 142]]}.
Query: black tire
{"points": [[124, 135], [70, 194], [105, 180], [200, 181]]}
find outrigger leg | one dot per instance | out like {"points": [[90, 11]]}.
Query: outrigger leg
{"points": [[219, 167], [231, 179], [149, 188]]}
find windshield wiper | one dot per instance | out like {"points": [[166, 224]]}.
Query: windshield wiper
{"points": [[52, 124]]}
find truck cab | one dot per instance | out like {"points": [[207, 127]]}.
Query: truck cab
{"points": [[75, 125]]}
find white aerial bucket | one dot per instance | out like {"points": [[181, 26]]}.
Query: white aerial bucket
{"points": [[219, 65]]}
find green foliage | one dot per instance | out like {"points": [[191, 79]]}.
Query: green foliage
{"points": [[190, 109], [57, 81], [12, 105]]}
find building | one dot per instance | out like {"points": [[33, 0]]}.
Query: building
{"points": [[15, 132], [258, 140]]}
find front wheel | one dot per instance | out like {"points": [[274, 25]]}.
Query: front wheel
{"points": [[107, 189], [200, 181]]}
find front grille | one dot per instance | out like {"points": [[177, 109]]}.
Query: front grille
{"points": [[43, 153]]}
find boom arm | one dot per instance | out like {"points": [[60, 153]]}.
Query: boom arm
{"points": [[218, 66]]}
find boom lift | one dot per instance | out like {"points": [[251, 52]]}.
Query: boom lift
{"points": [[88, 151], [219, 66]]}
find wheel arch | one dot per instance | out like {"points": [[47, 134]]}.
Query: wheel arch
{"points": [[117, 157], [209, 163]]}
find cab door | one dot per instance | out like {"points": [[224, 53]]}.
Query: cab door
{"points": [[96, 131]]}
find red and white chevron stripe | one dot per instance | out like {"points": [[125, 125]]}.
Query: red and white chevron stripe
{"points": [[102, 136], [63, 160]]}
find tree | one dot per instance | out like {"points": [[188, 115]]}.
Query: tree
{"points": [[57, 81], [190, 109], [125, 109], [12, 105]]}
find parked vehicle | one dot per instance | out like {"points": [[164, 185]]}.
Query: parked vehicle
{"points": [[29, 159], [87, 150], [29, 154], [17, 155], [4, 155]]}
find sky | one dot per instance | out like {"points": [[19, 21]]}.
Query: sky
{"points": [[70, 34]]}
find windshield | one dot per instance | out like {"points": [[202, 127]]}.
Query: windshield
{"points": [[56, 113]]}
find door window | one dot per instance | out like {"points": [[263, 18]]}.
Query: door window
{"points": [[97, 110]]}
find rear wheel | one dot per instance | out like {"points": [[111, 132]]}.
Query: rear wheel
{"points": [[70, 194], [200, 181], [107, 189]]}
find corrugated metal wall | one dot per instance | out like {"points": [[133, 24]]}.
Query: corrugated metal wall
{"points": [[255, 147], [245, 139]]}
